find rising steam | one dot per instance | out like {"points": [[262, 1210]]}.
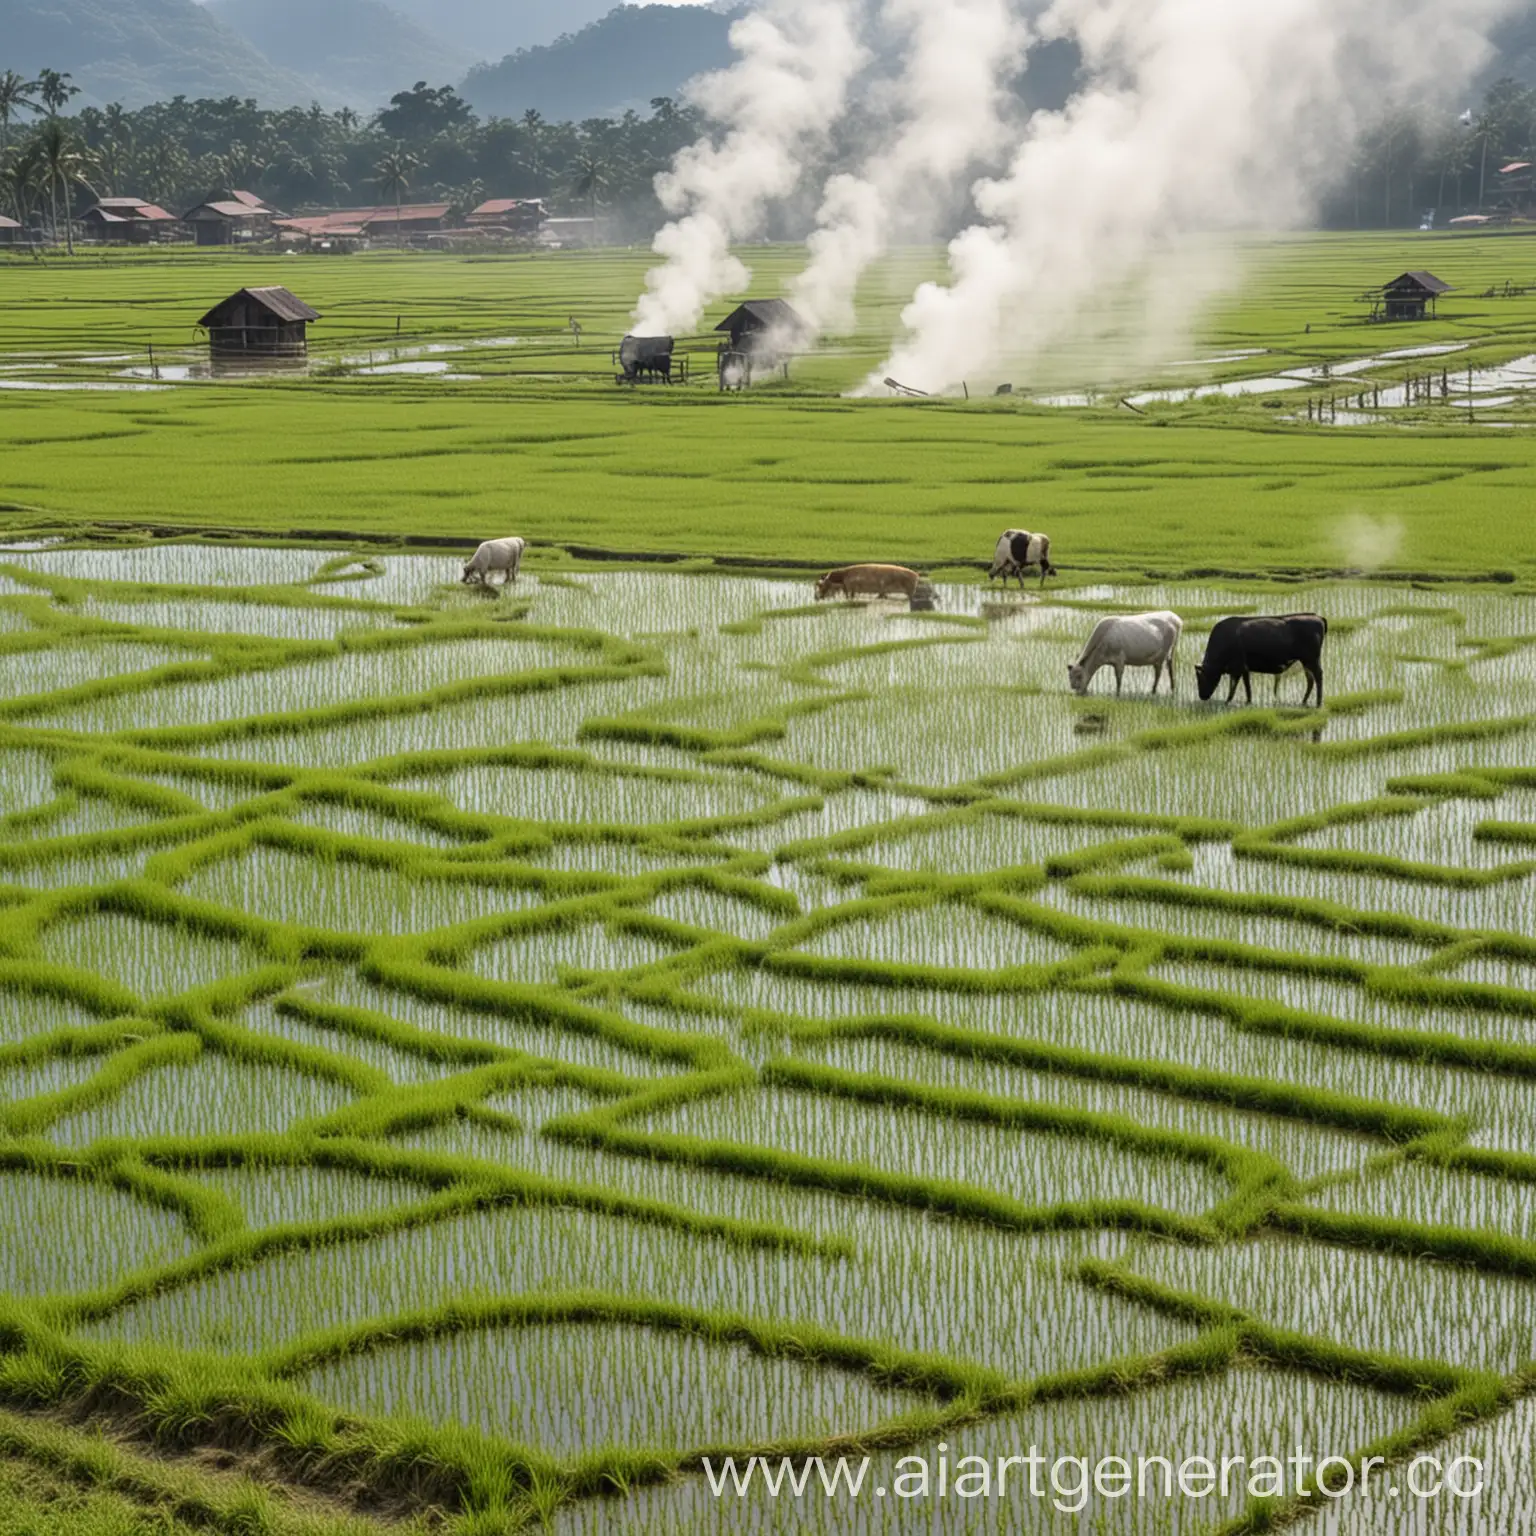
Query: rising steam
{"points": [[951, 110], [1200, 115], [1197, 117], [776, 104]]}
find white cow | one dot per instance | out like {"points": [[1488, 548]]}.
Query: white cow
{"points": [[504, 555], [1017, 552], [1140, 640]]}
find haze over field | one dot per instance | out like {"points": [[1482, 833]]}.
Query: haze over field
{"points": [[1191, 116]]}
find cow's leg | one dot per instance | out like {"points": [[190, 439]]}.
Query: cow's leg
{"points": [[1248, 685], [1314, 680], [1043, 573], [1119, 678], [1232, 691]]}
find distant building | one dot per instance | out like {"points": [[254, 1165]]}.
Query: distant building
{"points": [[230, 217], [257, 323], [559, 234], [764, 334], [1409, 297], [11, 232], [520, 217], [128, 221], [353, 225]]}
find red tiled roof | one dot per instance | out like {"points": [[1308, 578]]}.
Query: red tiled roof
{"points": [[355, 220]]}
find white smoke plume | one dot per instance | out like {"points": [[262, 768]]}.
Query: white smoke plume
{"points": [[1370, 543], [1200, 115], [959, 57], [776, 105]]}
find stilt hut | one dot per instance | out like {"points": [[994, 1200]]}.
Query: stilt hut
{"points": [[1409, 297], [259, 322], [763, 334]]}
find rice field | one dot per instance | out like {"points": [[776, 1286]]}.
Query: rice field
{"points": [[502, 1052]]}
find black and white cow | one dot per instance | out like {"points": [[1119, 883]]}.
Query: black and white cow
{"points": [[1017, 552], [1238, 648]]}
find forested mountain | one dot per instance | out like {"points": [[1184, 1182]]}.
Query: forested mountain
{"points": [[621, 62], [350, 52], [491, 29], [138, 51]]}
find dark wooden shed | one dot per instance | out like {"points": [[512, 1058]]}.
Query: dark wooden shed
{"points": [[1409, 297], [259, 322], [763, 334]]}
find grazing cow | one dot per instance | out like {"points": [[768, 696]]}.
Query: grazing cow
{"points": [[1018, 552], [1239, 647], [504, 555], [1142, 640], [868, 581]]}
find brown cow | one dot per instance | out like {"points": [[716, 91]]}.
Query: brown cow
{"points": [[868, 581]]}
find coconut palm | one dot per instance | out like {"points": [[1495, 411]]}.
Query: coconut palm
{"points": [[54, 90], [66, 164], [16, 96], [591, 175], [392, 176]]}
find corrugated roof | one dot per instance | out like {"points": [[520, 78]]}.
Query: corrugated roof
{"points": [[248, 198], [768, 313], [1425, 280], [6, 223], [357, 218], [129, 210], [276, 301]]}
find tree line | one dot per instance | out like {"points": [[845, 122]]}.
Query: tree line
{"points": [[428, 144]]}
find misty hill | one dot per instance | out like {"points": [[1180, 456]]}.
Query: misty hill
{"points": [[138, 51], [491, 29], [632, 54], [352, 52]]}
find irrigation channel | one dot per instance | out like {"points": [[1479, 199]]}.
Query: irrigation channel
{"points": [[647, 1015]]}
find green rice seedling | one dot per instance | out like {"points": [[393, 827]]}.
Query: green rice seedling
{"points": [[280, 1194], [180, 564], [1030, 1167], [519, 1031], [568, 1387], [341, 894], [149, 958], [361, 821], [400, 1066], [1239, 1414], [539, 955], [1500, 1452], [550, 794], [27, 1015], [68, 1234], [288, 1296], [206, 1097], [1376, 1302], [944, 936], [1309, 1151], [1431, 1196]]}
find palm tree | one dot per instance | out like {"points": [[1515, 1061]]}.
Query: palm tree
{"points": [[66, 164], [392, 176], [15, 97], [55, 90], [591, 173]]}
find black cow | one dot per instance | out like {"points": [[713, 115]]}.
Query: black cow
{"points": [[1240, 647]]}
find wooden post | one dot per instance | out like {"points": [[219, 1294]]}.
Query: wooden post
{"points": [[154, 368]]}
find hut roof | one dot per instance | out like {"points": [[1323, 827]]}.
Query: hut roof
{"points": [[278, 302], [121, 210], [1426, 282], [350, 220], [496, 206], [6, 223], [764, 315]]}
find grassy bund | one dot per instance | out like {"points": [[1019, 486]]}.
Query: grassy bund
{"points": [[464, 1058], [515, 428]]}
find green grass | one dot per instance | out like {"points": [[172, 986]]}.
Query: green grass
{"points": [[792, 472], [812, 1022]]}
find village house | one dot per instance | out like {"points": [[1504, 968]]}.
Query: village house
{"points": [[128, 221], [352, 226], [230, 217]]}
